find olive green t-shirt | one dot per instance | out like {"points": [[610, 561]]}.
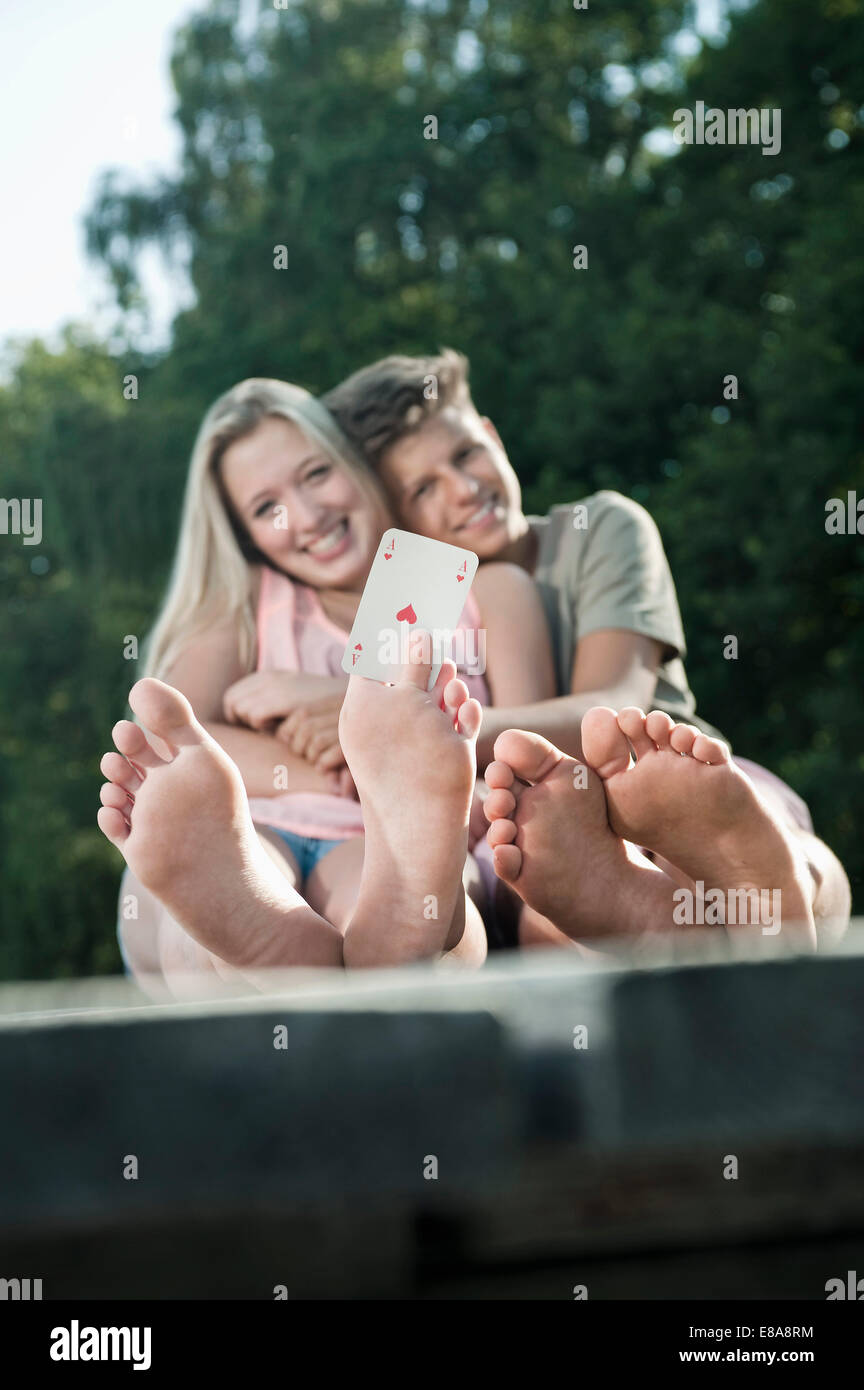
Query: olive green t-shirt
{"points": [[601, 564]]}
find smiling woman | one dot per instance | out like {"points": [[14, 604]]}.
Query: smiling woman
{"points": [[301, 510], [280, 523], [270, 476]]}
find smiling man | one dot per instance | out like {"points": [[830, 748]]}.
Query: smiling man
{"points": [[599, 564]]}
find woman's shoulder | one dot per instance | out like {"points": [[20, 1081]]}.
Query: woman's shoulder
{"points": [[499, 583], [494, 573]]}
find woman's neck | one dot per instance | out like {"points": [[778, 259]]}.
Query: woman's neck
{"points": [[340, 605]]}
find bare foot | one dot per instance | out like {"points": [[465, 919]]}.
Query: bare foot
{"points": [[686, 800], [182, 823], [414, 763], [553, 844]]}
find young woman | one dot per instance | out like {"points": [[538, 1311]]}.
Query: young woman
{"points": [[279, 527]]}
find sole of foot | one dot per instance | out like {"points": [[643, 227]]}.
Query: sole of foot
{"points": [[412, 754], [552, 842], [180, 818], [686, 800]]}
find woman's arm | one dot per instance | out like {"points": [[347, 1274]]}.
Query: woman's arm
{"points": [[519, 667], [265, 699], [209, 665]]}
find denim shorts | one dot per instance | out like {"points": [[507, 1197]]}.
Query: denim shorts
{"points": [[306, 849]]}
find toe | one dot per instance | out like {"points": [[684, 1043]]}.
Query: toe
{"points": [[118, 770], [603, 743], [501, 832], [498, 774], [681, 738], [455, 693], [112, 825], [168, 713], [710, 750], [530, 756], [658, 727], [632, 722], [469, 718], [507, 860], [113, 796], [446, 671], [499, 804], [131, 741], [418, 669]]}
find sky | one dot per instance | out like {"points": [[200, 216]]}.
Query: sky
{"points": [[85, 88]]}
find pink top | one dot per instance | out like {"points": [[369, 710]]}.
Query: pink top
{"points": [[295, 634]]}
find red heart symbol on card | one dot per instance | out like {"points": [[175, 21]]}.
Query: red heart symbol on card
{"points": [[388, 555], [359, 647], [459, 578], [406, 615]]}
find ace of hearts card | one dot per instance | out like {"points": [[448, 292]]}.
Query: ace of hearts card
{"points": [[414, 583]]}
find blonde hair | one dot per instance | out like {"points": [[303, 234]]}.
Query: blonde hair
{"points": [[211, 578]]}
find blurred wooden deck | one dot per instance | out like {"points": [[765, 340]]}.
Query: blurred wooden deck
{"points": [[307, 1165]]}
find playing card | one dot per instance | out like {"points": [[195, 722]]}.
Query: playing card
{"points": [[414, 583]]}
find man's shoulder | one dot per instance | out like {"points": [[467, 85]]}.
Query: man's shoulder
{"points": [[604, 502], [593, 520]]}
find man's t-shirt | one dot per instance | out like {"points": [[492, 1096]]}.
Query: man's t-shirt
{"points": [[601, 564]]}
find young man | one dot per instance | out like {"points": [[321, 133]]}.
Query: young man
{"points": [[599, 564], [610, 603]]}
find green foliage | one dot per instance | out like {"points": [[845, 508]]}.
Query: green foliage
{"points": [[309, 133]]}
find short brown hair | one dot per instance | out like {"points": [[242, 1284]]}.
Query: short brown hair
{"points": [[383, 402]]}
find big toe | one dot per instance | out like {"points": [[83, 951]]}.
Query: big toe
{"points": [[530, 756], [603, 742], [166, 712]]}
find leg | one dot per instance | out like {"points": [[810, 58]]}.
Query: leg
{"points": [[138, 928], [166, 961], [182, 823], [832, 901], [538, 932], [412, 756], [332, 886], [334, 883]]}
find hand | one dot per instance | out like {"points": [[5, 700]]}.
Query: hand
{"points": [[265, 696], [477, 822], [312, 732], [256, 700]]}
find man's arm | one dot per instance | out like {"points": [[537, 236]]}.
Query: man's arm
{"points": [[611, 667]]}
